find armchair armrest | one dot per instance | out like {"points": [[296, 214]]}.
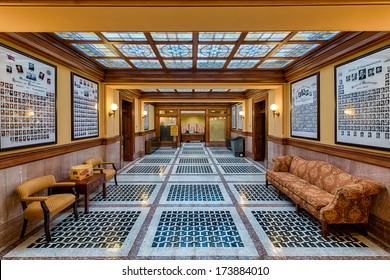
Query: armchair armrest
{"points": [[64, 184], [358, 190], [98, 168], [34, 198], [110, 162]]}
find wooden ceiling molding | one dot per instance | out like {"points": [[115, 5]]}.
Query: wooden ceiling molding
{"points": [[45, 45], [190, 3], [198, 76], [195, 95], [344, 46]]}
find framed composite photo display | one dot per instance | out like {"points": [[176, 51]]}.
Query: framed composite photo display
{"points": [[305, 107], [85, 113], [234, 116], [362, 100], [239, 118], [28, 100]]}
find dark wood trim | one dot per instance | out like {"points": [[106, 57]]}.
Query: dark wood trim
{"points": [[111, 140], [375, 158], [45, 45], [379, 227], [196, 95], [24, 157], [244, 133], [143, 133], [191, 76]]}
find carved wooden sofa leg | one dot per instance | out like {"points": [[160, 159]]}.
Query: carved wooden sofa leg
{"points": [[297, 208], [364, 229], [324, 228]]}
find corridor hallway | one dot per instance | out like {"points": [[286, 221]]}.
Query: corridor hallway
{"points": [[192, 202]]}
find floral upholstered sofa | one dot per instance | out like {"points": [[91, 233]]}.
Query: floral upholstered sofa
{"points": [[328, 193]]}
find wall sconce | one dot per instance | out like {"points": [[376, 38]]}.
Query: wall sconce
{"points": [[273, 108], [144, 114], [242, 114], [113, 108]]}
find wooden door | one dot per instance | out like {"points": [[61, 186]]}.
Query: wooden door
{"points": [[127, 131], [259, 131]]}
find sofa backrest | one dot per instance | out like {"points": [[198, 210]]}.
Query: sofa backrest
{"points": [[322, 174]]}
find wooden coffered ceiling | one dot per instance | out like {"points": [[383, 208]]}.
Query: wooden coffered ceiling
{"points": [[232, 57]]}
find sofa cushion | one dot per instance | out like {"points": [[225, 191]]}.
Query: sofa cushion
{"points": [[311, 194], [282, 164]]}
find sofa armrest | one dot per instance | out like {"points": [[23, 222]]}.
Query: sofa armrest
{"points": [[358, 190], [282, 164]]}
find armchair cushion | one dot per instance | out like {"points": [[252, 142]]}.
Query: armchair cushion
{"points": [[55, 203]]}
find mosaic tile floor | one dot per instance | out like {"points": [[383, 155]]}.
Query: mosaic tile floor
{"points": [[192, 202]]}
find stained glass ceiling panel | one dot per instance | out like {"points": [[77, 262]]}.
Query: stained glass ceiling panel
{"points": [[220, 90], [254, 50], [266, 36], [184, 90], [175, 50], [135, 50], [275, 63], [86, 36], [166, 90], [99, 50], [210, 64], [237, 90], [218, 36], [294, 50], [146, 64], [178, 64], [113, 63], [149, 90], [314, 35], [202, 90], [215, 50], [240, 64], [124, 36], [171, 36]]}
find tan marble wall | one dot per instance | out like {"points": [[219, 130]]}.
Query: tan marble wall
{"points": [[140, 143], [381, 202], [59, 166]]}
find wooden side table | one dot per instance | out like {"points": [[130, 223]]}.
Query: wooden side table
{"points": [[89, 185]]}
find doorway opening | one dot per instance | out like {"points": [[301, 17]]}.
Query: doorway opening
{"points": [[259, 131], [127, 131]]}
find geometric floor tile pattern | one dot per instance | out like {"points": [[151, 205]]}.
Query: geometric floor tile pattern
{"points": [[258, 192], [193, 202], [126, 192], [195, 192]]}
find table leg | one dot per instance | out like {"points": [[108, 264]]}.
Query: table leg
{"points": [[104, 190], [86, 201]]}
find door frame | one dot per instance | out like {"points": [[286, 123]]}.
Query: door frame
{"points": [[254, 101], [130, 100]]}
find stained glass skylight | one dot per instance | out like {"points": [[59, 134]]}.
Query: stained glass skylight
{"points": [[254, 50], [113, 63], [135, 50], [166, 90], [214, 50], [218, 36], [184, 90], [237, 64], [314, 35], [146, 64], [124, 36], [219, 90], [171, 36], [178, 64], [149, 90], [99, 50], [175, 50], [294, 50], [211, 64], [87, 36], [275, 63], [266, 36], [202, 90], [237, 90]]}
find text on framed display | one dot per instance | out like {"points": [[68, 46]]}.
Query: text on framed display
{"points": [[362, 100], [28, 100], [85, 113]]}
